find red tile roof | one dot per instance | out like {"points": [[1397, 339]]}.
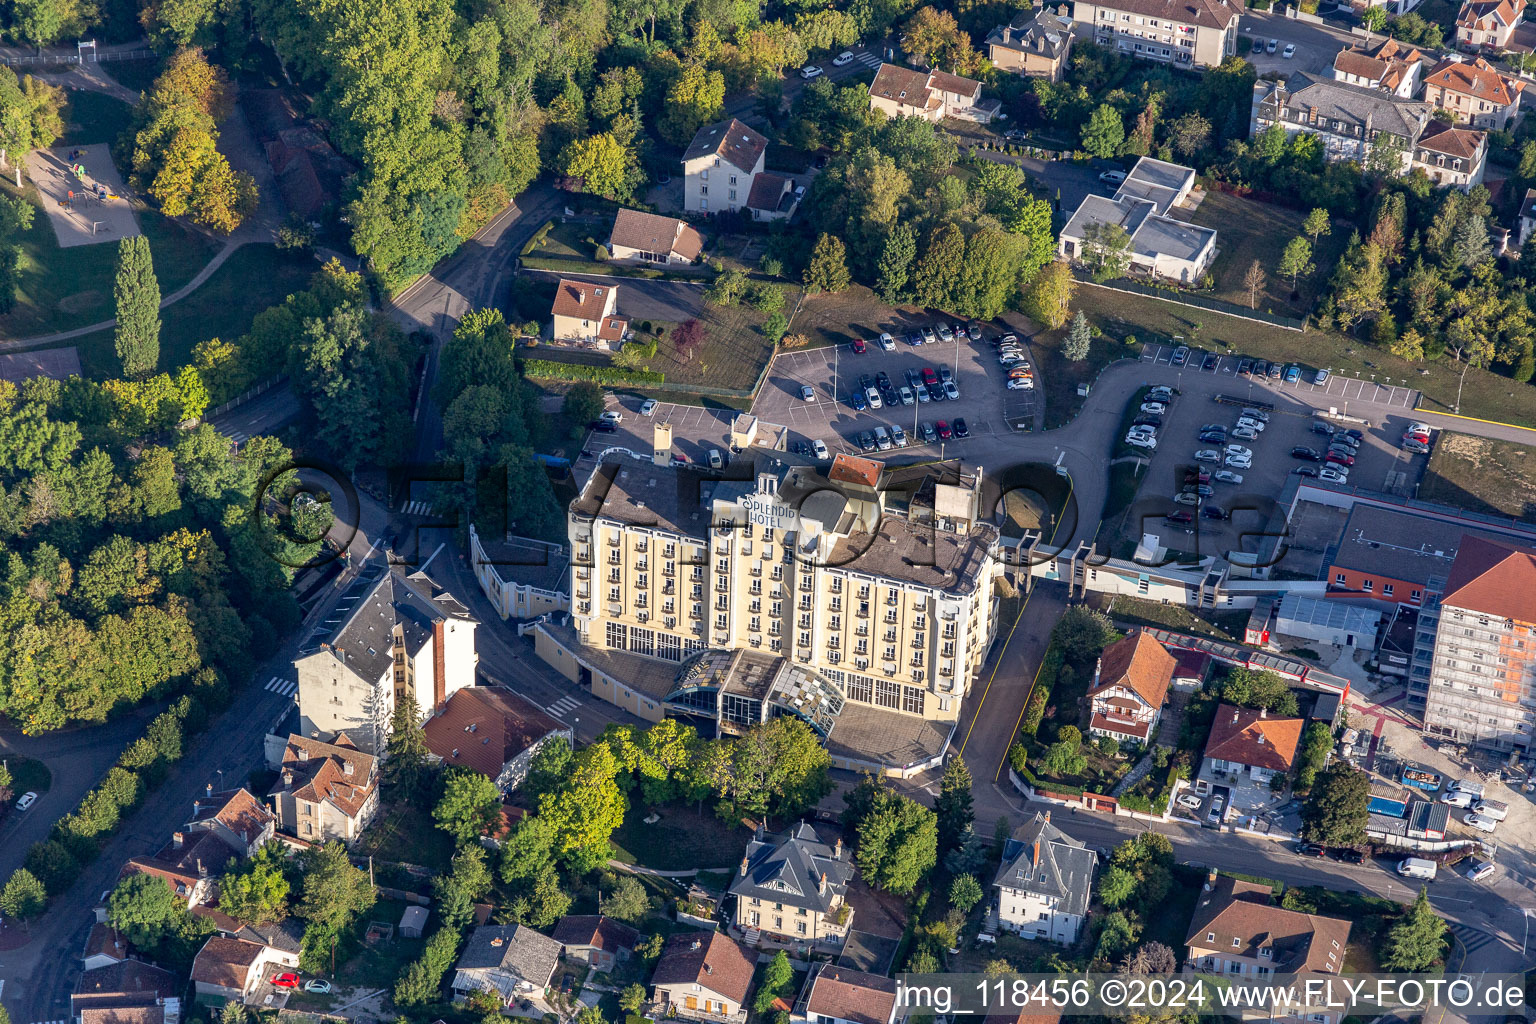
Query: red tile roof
{"points": [[851, 995], [1475, 78], [1493, 578], [237, 810], [484, 727], [123, 1015], [1440, 137], [767, 192], [105, 940], [1106, 724], [613, 328], [1139, 663], [906, 86], [582, 299], [1487, 14], [1241, 911], [946, 82], [1250, 737], [712, 960], [731, 141], [850, 469], [225, 962], [604, 933], [328, 772]]}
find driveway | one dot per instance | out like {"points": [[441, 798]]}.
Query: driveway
{"points": [[1316, 45], [1065, 183]]}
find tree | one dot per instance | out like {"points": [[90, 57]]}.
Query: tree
{"points": [[964, 893], [1190, 135], [23, 896], [688, 336], [1317, 224], [29, 115], [1082, 634], [334, 892], [1117, 887], [630, 1000], [1048, 300], [895, 263], [1065, 757], [1374, 18], [628, 901], [693, 100], [1074, 348], [138, 308], [1254, 281], [40, 23], [583, 404], [586, 809], [467, 880], [934, 38], [1470, 245], [1104, 133], [1106, 250], [604, 165], [1338, 807], [1267, 690], [828, 270], [1315, 745], [144, 908], [953, 807], [897, 842], [1417, 942], [776, 980], [255, 891], [405, 764], [1296, 259], [469, 805]]}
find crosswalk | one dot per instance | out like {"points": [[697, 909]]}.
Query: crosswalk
{"points": [[417, 508], [280, 686], [1471, 939], [869, 60], [563, 706]]}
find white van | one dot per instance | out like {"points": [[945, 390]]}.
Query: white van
{"points": [[1464, 786], [1479, 822], [716, 461], [1456, 798], [1417, 867], [1494, 809]]}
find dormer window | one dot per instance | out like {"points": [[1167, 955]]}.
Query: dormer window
{"points": [[1210, 936], [1236, 942], [1267, 953]]}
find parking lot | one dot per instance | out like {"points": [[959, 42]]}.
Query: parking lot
{"points": [[1338, 390], [833, 374], [1380, 464]]}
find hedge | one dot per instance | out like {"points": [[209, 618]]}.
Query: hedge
{"points": [[549, 369], [538, 238]]}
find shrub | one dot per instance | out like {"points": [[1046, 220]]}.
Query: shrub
{"points": [[546, 369], [600, 252]]}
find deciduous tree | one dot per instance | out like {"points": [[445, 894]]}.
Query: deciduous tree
{"points": [[827, 270], [1048, 300], [1104, 134], [469, 805], [1337, 809]]}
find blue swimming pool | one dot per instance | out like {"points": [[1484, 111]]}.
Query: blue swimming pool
{"points": [[1388, 806]]}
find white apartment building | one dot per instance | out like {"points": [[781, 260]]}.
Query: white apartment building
{"points": [[1189, 33], [720, 166], [392, 634], [791, 590], [1482, 684]]}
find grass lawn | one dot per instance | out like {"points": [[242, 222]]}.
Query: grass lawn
{"points": [[682, 839], [855, 312], [252, 279], [1057, 378], [58, 289], [1141, 612], [1372, 918], [1482, 475], [407, 834], [91, 117], [1249, 231], [1101, 772], [1486, 395]]}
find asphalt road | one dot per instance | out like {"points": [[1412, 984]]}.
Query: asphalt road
{"points": [[1316, 45]]}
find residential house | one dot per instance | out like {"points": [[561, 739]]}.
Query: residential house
{"points": [[1161, 245], [284, 938], [493, 731], [702, 976], [1487, 24], [1036, 43], [235, 969], [1390, 66], [236, 817], [1246, 740], [652, 238], [1190, 33], [129, 990], [190, 864], [595, 940], [513, 962], [104, 946], [1451, 155], [773, 197], [1044, 882], [583, 312], [793, 888], [1235, 930], [841, 995], [1130, 685], [1526, 221], [1474, 92], [931, 95], [404, 635], [720, 166], [324, 791], [1350, 120]]}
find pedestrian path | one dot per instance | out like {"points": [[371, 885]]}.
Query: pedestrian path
{"points": [[417, 508], [563, 706], [1471, 939], [869, 60], [280, 686]]}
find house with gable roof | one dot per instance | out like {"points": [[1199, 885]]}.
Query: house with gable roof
{"points": [[1487, 24], [652, 238], [324, 790], [931, 95], [586, 312], [493, 731], [598, 941], [126, 992], [512, 962], [1036, 43], [721, 166], [1451, 155], [793, 888], [1390, 66], [1474, 92], [1130, 686], [1249, 741], [833, 994], [702, 976], [236, 817], [1044, 882]]}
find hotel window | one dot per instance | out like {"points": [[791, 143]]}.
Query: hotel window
{"points": [[616, 635], [719, 621], [887, 694], [912, 699], [859, 689], [642, 641]]}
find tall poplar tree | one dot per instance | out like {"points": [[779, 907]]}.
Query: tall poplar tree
{"points": [[138, 308]]}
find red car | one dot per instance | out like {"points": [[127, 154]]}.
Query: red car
{"points": [[859, 346], [1340, 460], [943, 428], [929, 377], [288, 980], [1179, 516]]}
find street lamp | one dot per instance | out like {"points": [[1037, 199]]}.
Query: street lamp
{"points": [[1525, 915]]}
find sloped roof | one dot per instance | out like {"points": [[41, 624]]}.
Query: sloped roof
{"points": [[946, 82], [1043, 31], [1137, 661], [1206, 13], [850, 469], [652, 232], [335, 772], [237, 810], [1237, 910], [1487, 14], [386, 599], [582, 299], [1476, 78], [1464, 143], [1493, 578], [1042, 859], [595, 930], [1250, 737], [1354, 105], [225, 962], [851, 995], [152, 1014], [906, 86], [1353, 62], [731, 141], [514, 948], [484, 727], [788, 868], [104, 940], [712, 960], [125, 983], [767, 192]]}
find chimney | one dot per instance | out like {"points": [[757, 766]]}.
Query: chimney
{"points": [[177, 838], [197, 806], [743, 864], [1036, 858], [1210, 880], [1263, 712], [346, 768], [1234, 716], [287, 776], [822, 886], [439, 668], [837, 849], [708, 969], [1047, 817], [200, 871], [303, 753], [208, 789]]}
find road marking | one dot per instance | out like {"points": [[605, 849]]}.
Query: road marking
{"points": [[417, 508], [563, 705], [423, 566], [280, 686]]}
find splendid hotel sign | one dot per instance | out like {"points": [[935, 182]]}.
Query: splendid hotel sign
{"points": [[768, 511]]}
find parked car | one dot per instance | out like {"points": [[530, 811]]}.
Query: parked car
{"points": [[319, 985], [26, 801], [915, 338], [945, 433], [1272, 46], [1238, 462], [1303, 452], [286, 980], [945, 334], [603, 426], [1260, 367], [1009, 359], [929, 435], [1196, 475], [1208, 364], [1481, 822], [1322, 427], [960, 428], [1251, 423], [1334, 475], [887, 343], [921, 394], [1213, 512], [1021, 384], [1213, 437], [1180, 516], [1292, 374], [1304, 471], [1244, 366], [716, 460], [1349, 855], [1187, 498], [929, 337], [810, 71], [1275, 370], [1190, 801], [1146, 441], [1180, 356], [951, 392], [807, 393], [1237, 449], [1215, 812], [1112, 177], [819, 449], [1147, 420], [1245, 434], [1156, 408], [612, 416], [1320, 377], [647, 407], [1207, 455], [1339, 459], [973, 330], [882, 439], [1289, 51], [846, 57], [866, 441], [1479, 871], [1413, 444], [1310, 850], [1258, 46], [858, 401], [1204, 490], [858, 346], [905, 396], [1226, 476], [898, 436]]}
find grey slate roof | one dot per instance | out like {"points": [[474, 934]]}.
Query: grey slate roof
{"points": [[1042, 859], [1042, 31], [515, 952], [787, 869], [1354, 105], [377, 601]]}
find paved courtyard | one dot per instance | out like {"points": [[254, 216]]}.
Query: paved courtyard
{"points": [[85, 219]]}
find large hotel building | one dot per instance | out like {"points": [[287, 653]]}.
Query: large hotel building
{"points": [[860, 600]]}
